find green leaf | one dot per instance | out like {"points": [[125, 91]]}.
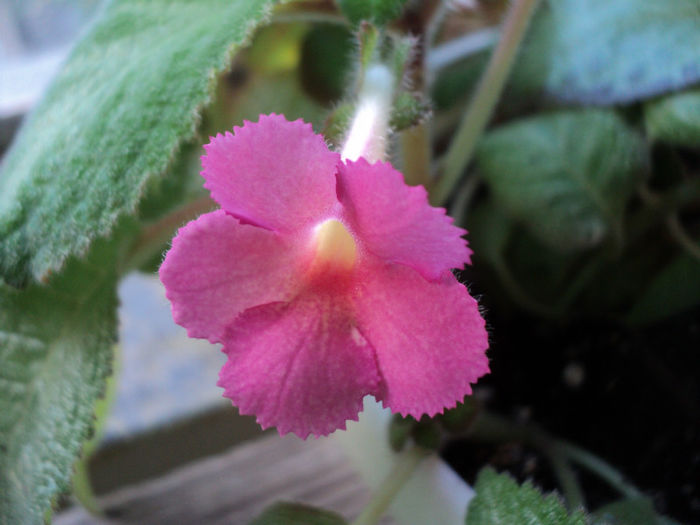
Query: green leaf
{"points": [[675, 288], [629, 512], [611, 51], [379, 12], [567, 176], [297, 514], [675, 119], [55, 355], [499, 500], [130, 93]]}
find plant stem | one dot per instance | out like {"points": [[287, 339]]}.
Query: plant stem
{"points": [[566, 478], [484, 101], [155, 235], [519, 295], [405, 465], [460, 48], [685, 241], [415, 153], [605, 471], [490, 427]]}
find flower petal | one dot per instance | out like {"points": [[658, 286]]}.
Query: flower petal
{"points": [[395, 221], [218, 267], [301, 366], [276, 174], [429, 338]]}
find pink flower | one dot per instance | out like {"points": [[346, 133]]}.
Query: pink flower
{"points": [[325, 281]]}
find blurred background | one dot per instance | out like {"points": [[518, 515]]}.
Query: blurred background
{"points": [[593, 338]]}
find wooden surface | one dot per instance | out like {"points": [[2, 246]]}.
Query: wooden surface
{"points": [[233, 487]]}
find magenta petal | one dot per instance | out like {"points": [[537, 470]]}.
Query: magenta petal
{"points": [[301, 366], [429, 338], [218, 267], [395, 221], [276, 174]]}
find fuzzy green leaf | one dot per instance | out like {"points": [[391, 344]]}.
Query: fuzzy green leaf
{"points": [[500, 500], [297, 514], [566, 176], [130, 93], [675, 119], [611, 51], [56, 345]]}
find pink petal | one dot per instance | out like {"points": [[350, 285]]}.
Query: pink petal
{"points": [[218, 267], [276, 174], [301, 366], [429, 338], [395, 221]]}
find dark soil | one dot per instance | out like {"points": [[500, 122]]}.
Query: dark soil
{"points": [[629, 396]]}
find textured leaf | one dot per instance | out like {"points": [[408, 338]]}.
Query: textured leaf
{"points": [[567, 176], [500, 501], [611, 51], [675, 288], [379, 12], [297, 514], [127, 97], [675, 119], [55, 354]]}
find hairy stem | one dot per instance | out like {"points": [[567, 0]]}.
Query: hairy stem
{"points": [[484, 101], [155, 235], [405, 465]]}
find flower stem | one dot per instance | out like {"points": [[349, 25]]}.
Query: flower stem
{"points": [[405, 465], [155, 235], [484, 101]]}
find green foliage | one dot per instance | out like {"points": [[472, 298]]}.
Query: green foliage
{"points": [[379, 12], [297, 514], [673, 290], [611, 51], [130, 93], [55, 352], [675, 119], [499, 500], [566, 176], [629, 512]]}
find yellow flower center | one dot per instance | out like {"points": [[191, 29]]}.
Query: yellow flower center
{"points": [[335, 245]]}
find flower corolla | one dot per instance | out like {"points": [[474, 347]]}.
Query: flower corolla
{"points": [[325, 280]]}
